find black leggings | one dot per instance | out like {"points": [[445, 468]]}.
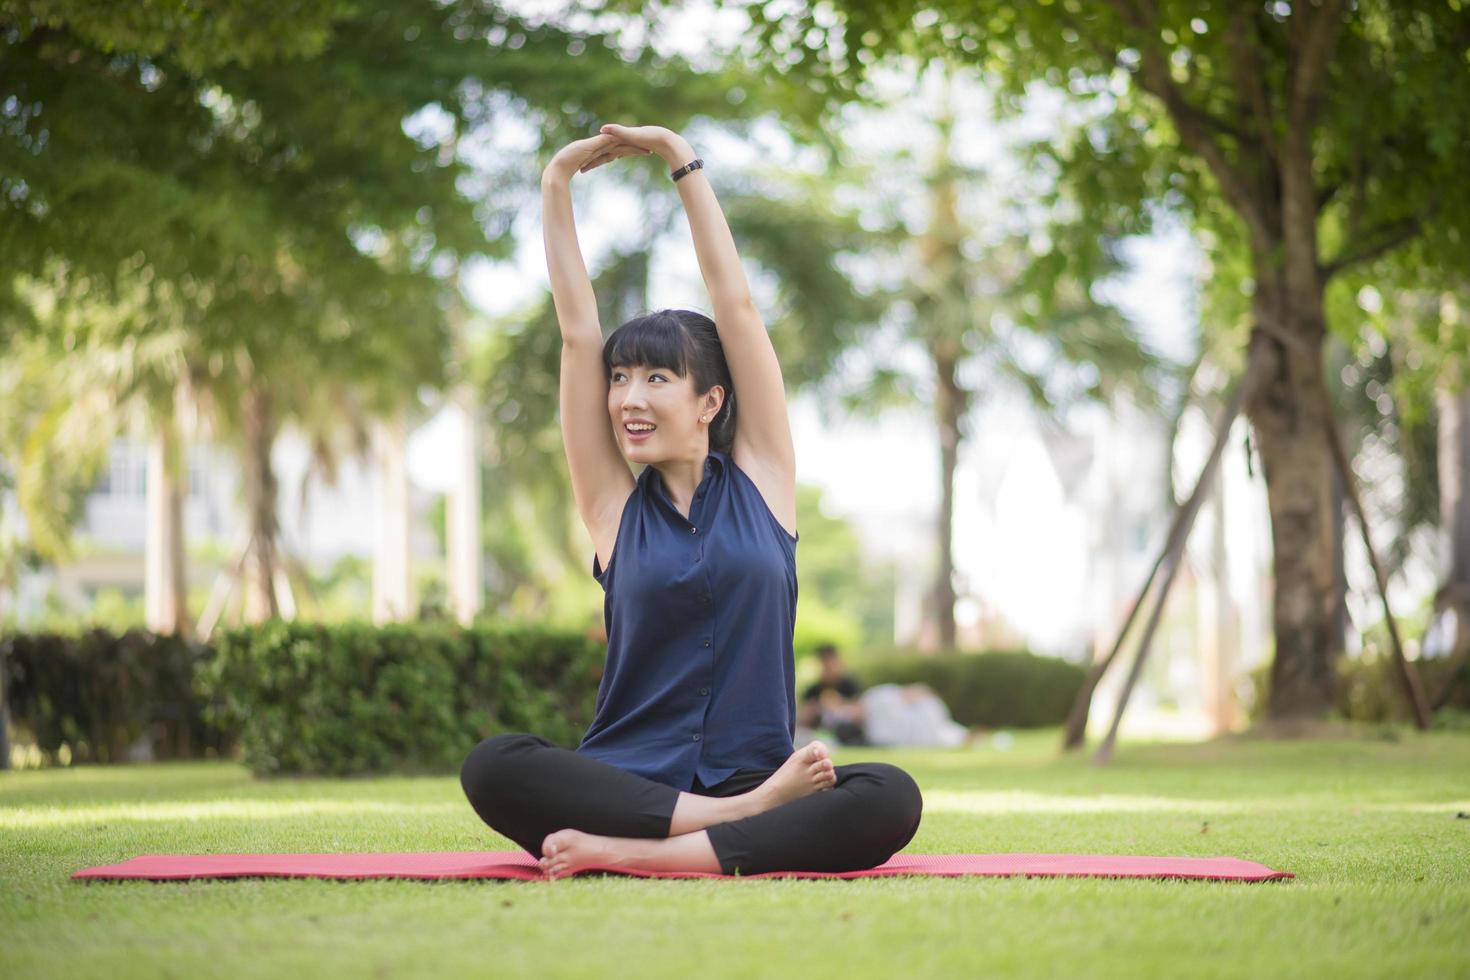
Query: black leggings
{"points": [[525, 787]]}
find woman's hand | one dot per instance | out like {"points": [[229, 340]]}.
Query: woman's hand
{"points": [[668, 144], [580, 156]]}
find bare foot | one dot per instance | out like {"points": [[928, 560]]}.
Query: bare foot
{"points": [[567, 851], [806, 771]]}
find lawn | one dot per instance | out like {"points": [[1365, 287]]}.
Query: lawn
{"points": [[1370, 825]]}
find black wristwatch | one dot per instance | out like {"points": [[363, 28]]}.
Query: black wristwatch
{"points": [[693, 165]]}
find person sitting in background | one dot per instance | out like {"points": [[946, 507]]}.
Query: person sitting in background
{"points": [[832, 701], [909, 714], [883, 715]]}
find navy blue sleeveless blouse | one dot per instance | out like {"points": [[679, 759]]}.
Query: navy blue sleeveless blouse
{"points": [[700, 677]]}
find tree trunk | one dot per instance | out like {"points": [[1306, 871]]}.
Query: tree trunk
{"points": [[261, 492], [1339, 562], [4, 715], [464, 508], [165, 593], [462, 515], [1338, 357], [1218, 623], [1287, 413], [945, 316], [949, 406], [391, 584], [1453, 457], [1454, 483]]}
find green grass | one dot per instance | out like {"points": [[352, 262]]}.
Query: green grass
{"points": [[1369, 825]]}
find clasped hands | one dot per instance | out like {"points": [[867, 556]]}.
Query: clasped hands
{"points": [[613, 141]]}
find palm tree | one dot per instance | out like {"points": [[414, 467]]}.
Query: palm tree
{"points": [[967, 305], [84, 376]]}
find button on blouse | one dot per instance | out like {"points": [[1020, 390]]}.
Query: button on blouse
{"points": [[700, 612]]}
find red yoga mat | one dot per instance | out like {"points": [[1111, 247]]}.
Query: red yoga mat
{"points": [[521, 866]]}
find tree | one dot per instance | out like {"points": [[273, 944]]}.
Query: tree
{"points": [[290, 188], [68, 404], [1313, 132], [1411, 384], [965, 302], [218, 185]]}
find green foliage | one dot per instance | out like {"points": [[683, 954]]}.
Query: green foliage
{"points": [[994, 689], [842, 597], [299, 698], [96, 693], [1310, 139], [1369, 690], [283, 193], [357, 698]]}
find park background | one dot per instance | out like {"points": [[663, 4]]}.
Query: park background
{"points": [[277, 411]]}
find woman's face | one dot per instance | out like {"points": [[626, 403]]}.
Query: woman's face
{"points": [[656, 396]]}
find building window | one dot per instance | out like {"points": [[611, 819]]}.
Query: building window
{"points": [[197, 476], [126, 472]]}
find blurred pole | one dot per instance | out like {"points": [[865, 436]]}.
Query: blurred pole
{"points": [[164, 593], [258, 417], [391, 584], [1454, 478], [1217, 634], [1409, 677], [1170, 560], [1075, 731], [463, 516], [1454, 502], [462, 531]]}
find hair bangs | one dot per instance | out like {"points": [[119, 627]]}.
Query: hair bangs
{"points": [[656, 340]]}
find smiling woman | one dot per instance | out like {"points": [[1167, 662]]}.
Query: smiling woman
{"points": [[689, 763], [667, 375]]}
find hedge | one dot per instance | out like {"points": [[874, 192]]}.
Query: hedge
{"points": [[358, 698], [1369, 689], [98, 693], [992, 689], [298, 698]]}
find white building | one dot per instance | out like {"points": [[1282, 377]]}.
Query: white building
{"points": [[320, 522]]}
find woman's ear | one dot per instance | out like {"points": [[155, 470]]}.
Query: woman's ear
{"points": [[711, 402]]}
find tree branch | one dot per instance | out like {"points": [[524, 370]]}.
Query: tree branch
{"points": [[1314, 35], [1327, 192], [1154, 77], [1242, 41], [1384, 238]]}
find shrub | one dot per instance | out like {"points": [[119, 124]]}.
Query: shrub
{"points": [[993, 689], [299, 698], [1369, 689], [356, 698], [97, 693]]}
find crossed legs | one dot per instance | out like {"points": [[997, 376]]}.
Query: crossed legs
{"points": [[574, 812]]}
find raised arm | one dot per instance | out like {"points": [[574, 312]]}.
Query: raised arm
{"points": [[601, 480], [763, 430]]}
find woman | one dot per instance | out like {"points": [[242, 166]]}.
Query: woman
{"points": [[688, 764]]}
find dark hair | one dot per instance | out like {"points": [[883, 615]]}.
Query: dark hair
{"points": [[827, 651], [686, 343]]}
